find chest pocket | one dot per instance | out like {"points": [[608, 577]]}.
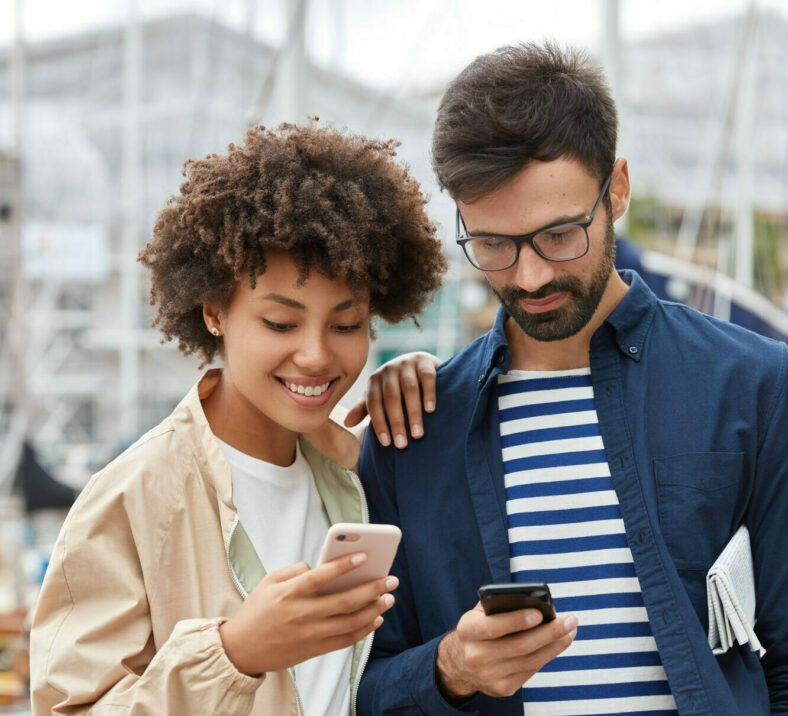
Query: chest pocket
{"points": [[697, 497]]}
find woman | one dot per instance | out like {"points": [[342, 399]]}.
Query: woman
{"points": [[179, 583]]}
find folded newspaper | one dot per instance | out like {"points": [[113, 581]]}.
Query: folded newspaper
{"points": [[730, 588]]}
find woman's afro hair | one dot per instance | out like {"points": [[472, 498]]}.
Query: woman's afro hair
{"points": [[337, 202]]}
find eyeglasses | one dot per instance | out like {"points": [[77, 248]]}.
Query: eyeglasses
{"points": [[496, 252]]}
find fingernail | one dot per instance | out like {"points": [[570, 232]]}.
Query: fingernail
{"points": [[388, 600], [385, 441], [359, 558], [532, 619], [570, 622], [429, 406], [416, 431], [573, 633], [391, 582], [400, 441], [378, 621]]}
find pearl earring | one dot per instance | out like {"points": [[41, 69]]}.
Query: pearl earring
{"points": [[215, 331]]}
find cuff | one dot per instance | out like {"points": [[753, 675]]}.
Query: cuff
{"points": [[211, 643], [426, 692]]}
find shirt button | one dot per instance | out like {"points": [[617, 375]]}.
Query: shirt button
{"points": [[633, 349], [481, 377]]}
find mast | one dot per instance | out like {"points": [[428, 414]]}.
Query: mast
{"points": [[14, 352], [131, 185], [743, 223], [610, 52]]}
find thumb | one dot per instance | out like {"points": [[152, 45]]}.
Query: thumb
{"points": [[356, 414], [289, 572]]}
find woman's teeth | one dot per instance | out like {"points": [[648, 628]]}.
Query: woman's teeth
{"points": [[308, 389]]}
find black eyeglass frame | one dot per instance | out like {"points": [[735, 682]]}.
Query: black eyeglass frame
{"points": [[529, 238]]}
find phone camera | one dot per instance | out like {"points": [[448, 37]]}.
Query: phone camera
{"points": [[341, 538]]}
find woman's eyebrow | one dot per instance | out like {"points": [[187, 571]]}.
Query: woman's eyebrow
{"points": [[290, 303], [284, 300], [345, 304]]}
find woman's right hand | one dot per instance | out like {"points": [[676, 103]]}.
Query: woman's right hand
{"points": [[409, 378], [284, 621]]}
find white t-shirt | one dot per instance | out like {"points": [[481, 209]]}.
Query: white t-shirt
{"points": [[282, 513]]}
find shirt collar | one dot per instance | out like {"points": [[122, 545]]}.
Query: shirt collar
{"points": [[630, 321], [496, 353]]}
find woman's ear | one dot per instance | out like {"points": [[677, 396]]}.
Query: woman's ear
{"points": [[619, 188], [213, 319]]}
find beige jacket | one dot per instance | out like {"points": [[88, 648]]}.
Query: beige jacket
{"points": [[150, 561]]}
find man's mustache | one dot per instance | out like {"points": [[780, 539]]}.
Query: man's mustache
{"points": [[569, 284]]}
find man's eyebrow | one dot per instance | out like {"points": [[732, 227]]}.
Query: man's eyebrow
{"points": [[290, 303], [558, 221]]}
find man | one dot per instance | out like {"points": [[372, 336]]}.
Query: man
{"points": [[596, 439]]}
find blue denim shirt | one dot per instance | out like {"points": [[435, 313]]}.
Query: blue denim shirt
{"points": [[694, 417]]}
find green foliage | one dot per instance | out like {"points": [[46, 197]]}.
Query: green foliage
{"points": [[654, 225], [771, 256]]}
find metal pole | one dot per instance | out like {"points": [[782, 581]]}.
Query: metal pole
{"points": [[340, 36], [130, 280], [290, 89], [611, 61], [16, 330], [283, 89], [743, 222], [714, 168]]}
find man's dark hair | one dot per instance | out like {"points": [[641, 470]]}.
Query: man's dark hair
{"points": [[516, 105], [338, 203]]}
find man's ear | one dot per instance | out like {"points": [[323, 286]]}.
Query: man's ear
{"points": [[212, 316], [619, 188]]}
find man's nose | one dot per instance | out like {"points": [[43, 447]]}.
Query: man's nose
{"points": [[532, 271]]}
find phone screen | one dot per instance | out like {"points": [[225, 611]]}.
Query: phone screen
{"points": [[499, 598]]}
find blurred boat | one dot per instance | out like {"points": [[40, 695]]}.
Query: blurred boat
{"points": [[705, 289]]}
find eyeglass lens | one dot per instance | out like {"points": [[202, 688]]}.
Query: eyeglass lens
{"points": [[560, 244]]}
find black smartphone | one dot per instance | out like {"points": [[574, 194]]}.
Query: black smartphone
{"points": [[497, 598]]}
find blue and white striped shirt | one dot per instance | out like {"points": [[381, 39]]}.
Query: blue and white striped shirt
{"points": [[565, 529]]}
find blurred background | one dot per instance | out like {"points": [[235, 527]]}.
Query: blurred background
{"points": [[102, 102]]}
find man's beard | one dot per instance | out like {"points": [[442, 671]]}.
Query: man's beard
{"points": [[577, 310]]}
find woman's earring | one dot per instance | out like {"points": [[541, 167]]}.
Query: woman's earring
{"points": [[215, 331]]}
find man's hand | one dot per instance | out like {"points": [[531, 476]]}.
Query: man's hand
{"points": [[284, 621], [388, 385], [497, 654]]}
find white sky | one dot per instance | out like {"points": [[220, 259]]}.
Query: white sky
{"points": [[394, 42]]}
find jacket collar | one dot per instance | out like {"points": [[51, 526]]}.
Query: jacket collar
{"points": [[630, 322], [341, 497], [328, 455]]}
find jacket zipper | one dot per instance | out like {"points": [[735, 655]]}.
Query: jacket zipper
{"points": [[357, 484], [244, 594], [235, 579], [361, 666], [367, 648]]}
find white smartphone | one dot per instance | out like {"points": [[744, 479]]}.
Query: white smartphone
{"points": [[380, 543]]}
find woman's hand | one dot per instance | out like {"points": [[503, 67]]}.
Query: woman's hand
{"points": [[400, 378], [284, 621]]}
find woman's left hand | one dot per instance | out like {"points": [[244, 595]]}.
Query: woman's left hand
{"points": [[410, 376]]}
